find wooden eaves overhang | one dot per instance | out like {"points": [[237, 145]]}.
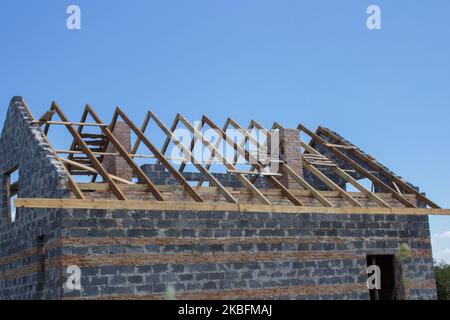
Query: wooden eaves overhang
{"points": [[87, 151]]}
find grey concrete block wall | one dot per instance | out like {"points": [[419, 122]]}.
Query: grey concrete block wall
{"points": [[239, 255], [159, 175], [40, 175]]}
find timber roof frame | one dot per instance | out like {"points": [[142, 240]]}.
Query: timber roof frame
{"points": [[313, 160]]}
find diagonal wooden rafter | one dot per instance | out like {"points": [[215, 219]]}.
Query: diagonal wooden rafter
{"points": [[358, 167], [331, 184], [286, 169], [372, 196], [291, 172], [123, 152], [71, 183], [254, 161], [362, 156], [322, 177], [241, 177], [159, 155], [92, 170], [192, 146], [85, 148], [90, 148], [299, 179], [188, 155]]}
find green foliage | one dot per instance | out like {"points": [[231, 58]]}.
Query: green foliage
{"points": [[442, 271], [404, 252], [170, 293]]}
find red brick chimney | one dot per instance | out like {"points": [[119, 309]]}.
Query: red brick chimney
{"points": [[290, 152], [116, 165]]}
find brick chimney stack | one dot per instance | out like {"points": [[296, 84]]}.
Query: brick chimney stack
{"points": [[116, 165], [290, 152]]}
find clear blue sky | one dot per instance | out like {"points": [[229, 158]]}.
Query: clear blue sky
{"points": [[311, 62]]}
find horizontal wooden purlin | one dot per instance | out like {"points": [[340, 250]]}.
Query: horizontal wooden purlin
{"points": [[198, 206], [143, 156], [259, 173], [68, 123]]}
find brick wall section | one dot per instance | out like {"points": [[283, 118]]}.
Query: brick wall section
{"points": [[290, 151], [159, 175], [117, 165], [40, 176], [136, 255]]}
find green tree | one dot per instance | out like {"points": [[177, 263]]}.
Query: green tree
{"points": [[442, 271]]}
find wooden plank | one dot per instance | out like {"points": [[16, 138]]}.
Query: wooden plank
{"points": [[187, 153], [247, 136], [383, 171], [68, 123], [144, 156], [340, 146], [160, 156], [98, 166], [396, 187], [196, 206], [92, 136], [92, 170], [259, 173], [73, 146], [212, 156], [330, 183], [325, 164], [133, 165], [358, 167], [138, 139], [191, 148], [245, 182], [46, 116], [70, 183]]}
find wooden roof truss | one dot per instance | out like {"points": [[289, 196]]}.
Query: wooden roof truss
{"points": [[87, 152]]}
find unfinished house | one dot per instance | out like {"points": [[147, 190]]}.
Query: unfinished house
{"points": [[115, 210]]}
